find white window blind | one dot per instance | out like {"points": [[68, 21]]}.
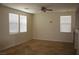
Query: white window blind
{"points": [[13, 23], [65, 23], [23, 23], [17, 23]]}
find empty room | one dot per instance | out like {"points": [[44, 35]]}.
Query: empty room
{"points": [[39, 29]]}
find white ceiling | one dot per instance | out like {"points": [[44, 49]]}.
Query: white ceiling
{"points": [[36, 7]]}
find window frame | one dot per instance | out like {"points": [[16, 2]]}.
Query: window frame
{"points": [[66, 23], [18, 27], [26, 23], [16, 23]]}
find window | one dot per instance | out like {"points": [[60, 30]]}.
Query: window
{"points": [[13, 23], [17, 23], [65, 23], [23, 24]]}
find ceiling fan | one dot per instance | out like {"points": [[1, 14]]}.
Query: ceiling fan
{"points": [[44, 9]]}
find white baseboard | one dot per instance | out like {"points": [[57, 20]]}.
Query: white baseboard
{"points": [[53, 40], [12, 45]]}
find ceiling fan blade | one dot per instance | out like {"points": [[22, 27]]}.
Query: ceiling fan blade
{"points": [[44, 9], [49, 9]]}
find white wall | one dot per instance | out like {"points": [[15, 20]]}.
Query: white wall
{"points": [[7, 40], [77, 19], [77, 27], [44, 30]]}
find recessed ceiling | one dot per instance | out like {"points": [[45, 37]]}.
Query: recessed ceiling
{"points": [[36, 7]]}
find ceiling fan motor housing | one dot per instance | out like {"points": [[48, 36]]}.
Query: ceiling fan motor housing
{"points": [[43, 9]]}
